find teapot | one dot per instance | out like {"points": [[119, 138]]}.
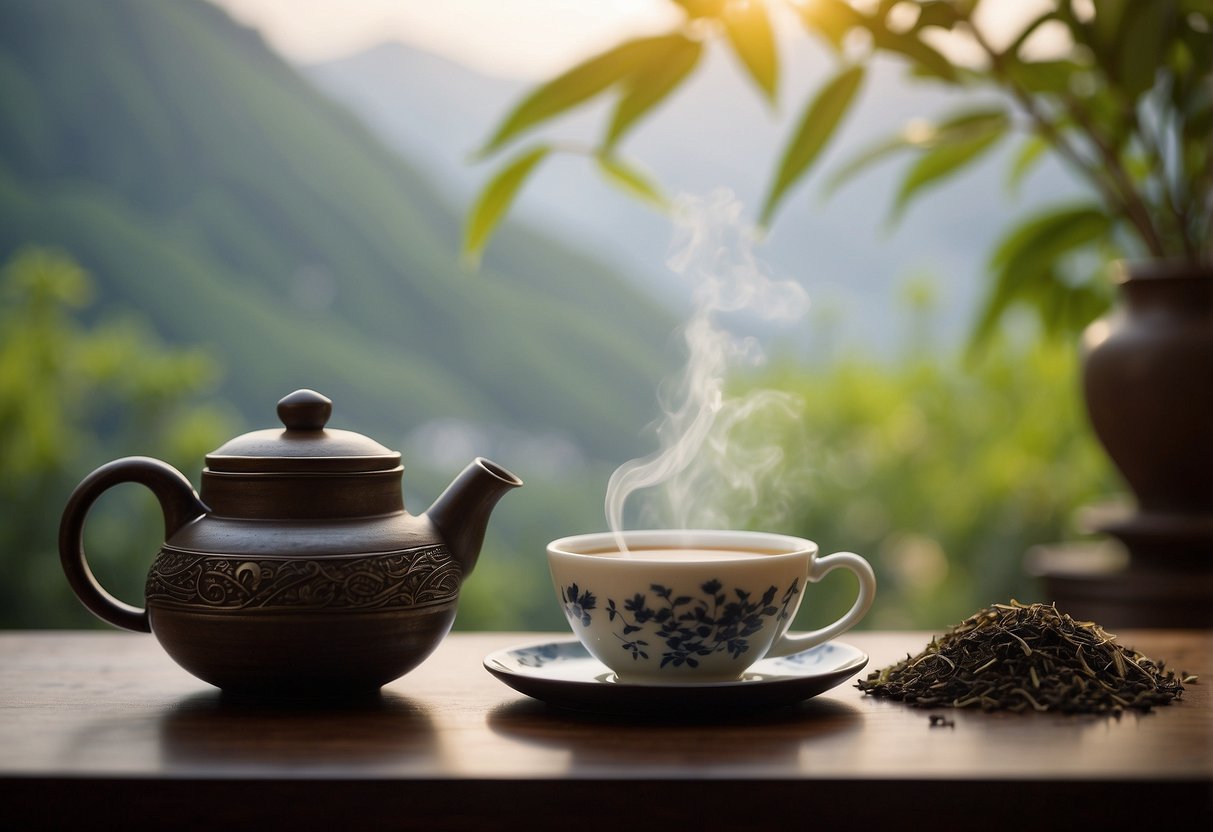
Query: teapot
{"points": [[297, 569]]}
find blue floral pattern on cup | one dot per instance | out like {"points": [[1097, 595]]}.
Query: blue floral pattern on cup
{"points": [[577, 605], [688, 627]]}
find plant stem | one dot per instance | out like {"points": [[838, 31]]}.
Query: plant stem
{"points": [[1205, 249], [1177, 192], [1119, 193], [1136, 209]]}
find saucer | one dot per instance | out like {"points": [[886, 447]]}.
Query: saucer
{"points": [[562, 673]]}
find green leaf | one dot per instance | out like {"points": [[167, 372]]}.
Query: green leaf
{"points": [[1044, 76], [1082, 33], [942, 14], [866, 158], [968, 123], [632, 181], [943, 161], [925, 57], [1190, 62], [1043, 237], [1025, 264], [918, 134], [1143, 52], [821, 118], [577, 85], [495, 200], [1030, 152], [832, 20], [1012, 49], [646, 88], [749, 31], [1197, 137], [1106, 25]]}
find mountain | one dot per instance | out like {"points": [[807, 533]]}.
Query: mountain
{"points": [[214, 192], [717, 132]]}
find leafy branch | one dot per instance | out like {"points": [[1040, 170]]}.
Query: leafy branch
{"points": [[1129, 109]]}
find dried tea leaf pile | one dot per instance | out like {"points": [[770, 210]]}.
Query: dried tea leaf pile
{"points": [[1018, 656]]}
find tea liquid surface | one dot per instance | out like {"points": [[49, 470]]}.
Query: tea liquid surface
{"points": [[683, 555]]}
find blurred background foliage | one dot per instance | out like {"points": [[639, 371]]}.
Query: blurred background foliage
{"points": [[942, 474], [70, 394], [189, 231]]}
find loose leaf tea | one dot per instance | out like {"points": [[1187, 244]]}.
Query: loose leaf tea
{"points": [[1018, 656]]}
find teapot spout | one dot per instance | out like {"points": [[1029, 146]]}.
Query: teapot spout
{"points": [[461, 513]]}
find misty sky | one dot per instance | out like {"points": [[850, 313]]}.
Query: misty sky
{"points": [[518, 38], [529, 39]]}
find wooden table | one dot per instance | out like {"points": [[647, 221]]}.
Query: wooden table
{"points": [[103, 729]]}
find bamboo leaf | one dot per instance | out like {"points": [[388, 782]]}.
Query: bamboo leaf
{"points": [[632, 181], [650, 86], [941, 14], [867, 158], [749, 31], [821, 118], [1013, 48], [943, 161], [925, 57], [972, 122], [1043, 237], [1025, 262], [1030, 152], [1106, 25], [1142, 54], [832, 20], [1197, 138], [1082, 32], [1053, 76], [495, 200], [577, 85], [919, 134]]}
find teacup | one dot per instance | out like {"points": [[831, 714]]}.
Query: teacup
{"points": [[694, 606]]}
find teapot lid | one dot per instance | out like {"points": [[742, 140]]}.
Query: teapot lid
{"points": [[304, 445]]}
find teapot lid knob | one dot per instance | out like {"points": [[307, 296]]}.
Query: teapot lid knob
{"points": [[305, 410], [306, 447]]}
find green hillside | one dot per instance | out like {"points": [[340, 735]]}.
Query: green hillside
{"points": [[210, 189]]}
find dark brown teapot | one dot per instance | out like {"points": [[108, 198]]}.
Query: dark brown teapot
{"points": [[298, 569]]}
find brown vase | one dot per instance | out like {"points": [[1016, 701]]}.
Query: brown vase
{"points": [[1148, 379]]}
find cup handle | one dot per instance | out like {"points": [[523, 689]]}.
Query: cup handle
{"points": [[788, 644], [178, 502]]}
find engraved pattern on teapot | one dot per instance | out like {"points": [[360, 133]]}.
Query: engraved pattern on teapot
{"points": [[395, 580]]}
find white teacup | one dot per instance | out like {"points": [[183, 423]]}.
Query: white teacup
{"points": [[694, 606]]}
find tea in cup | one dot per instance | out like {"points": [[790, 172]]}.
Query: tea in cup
{"points": [[677, 607]]}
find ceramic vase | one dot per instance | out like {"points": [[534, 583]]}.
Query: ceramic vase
{"points": [[1148, 382]]}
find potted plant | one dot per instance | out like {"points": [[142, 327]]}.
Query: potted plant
{"points": [[1126, 104]]}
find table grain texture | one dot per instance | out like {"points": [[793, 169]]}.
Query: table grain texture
{"points": [[102, 730]]}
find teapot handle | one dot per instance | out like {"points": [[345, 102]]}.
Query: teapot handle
{"points": [[178, 501]]}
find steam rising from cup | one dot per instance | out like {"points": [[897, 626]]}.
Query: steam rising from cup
{"points": [[705, 470]]}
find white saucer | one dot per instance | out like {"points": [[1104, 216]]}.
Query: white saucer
{"points": [[564, 674]]}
